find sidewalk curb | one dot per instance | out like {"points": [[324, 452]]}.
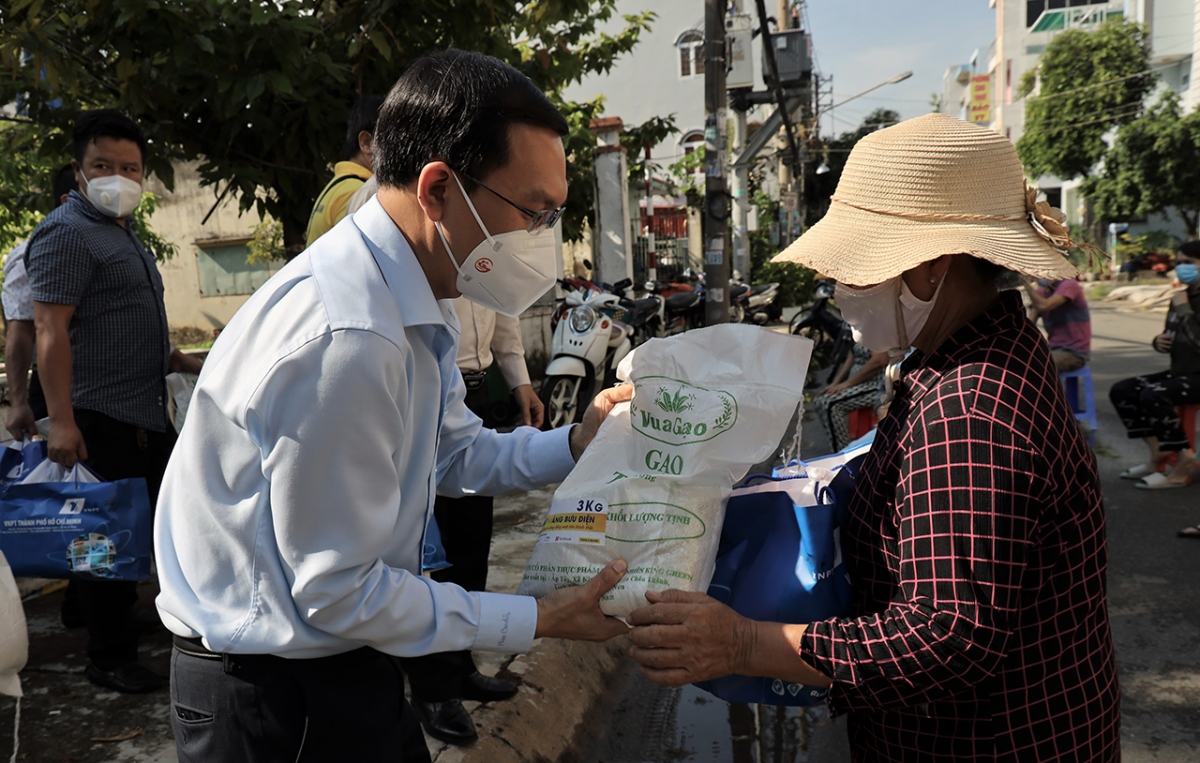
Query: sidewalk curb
{"points": [[557, 714]]}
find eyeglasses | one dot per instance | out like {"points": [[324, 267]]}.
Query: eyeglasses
{"points": [[539, 221]]}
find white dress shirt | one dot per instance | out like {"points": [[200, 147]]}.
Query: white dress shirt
{"points": [[292, 513], [489, 337]]}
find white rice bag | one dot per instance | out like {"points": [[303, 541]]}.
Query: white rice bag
{"points": [[651, 489]]}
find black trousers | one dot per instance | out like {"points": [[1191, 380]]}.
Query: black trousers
{"points": [[266, 709], [1146, 405], [466, 527], [116, 450]]}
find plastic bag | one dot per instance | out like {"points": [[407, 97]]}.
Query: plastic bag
{"points": [[60, 523], [14, 638], [651, 488], [180, 387]]}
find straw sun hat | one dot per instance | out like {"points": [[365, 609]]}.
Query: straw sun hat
{"points": [[926, 187]]}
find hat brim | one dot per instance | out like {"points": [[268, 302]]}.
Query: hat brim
{"points": [[863, 248]]}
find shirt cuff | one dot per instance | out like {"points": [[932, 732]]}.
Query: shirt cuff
{"points": [[506, 623], [550, 454]]}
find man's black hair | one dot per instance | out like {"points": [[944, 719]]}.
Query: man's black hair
{"points": [[64, 183], [456, 107], [363, 116], [1190, 249], [106, 123]]}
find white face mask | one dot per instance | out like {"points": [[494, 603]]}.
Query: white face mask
{"points": [[506, 272], [114, 195], [885, 317]]}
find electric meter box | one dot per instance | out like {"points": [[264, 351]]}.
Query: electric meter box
{"points": [[793, 55], [739, 37]]}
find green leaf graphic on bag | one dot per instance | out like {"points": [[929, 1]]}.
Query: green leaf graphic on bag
{"points": [[680, 413]]}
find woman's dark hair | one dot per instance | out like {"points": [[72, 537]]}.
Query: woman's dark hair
{"points": [[999, 276], [105, 123], [363, 116], [64, 183], [1190, 249], [456, 107]]}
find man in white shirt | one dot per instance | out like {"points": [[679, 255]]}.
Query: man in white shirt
{"points": [[27, 402], [291, 519]]}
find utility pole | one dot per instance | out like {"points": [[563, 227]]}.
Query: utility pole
{"points": [[651, 254], [716, 194]]}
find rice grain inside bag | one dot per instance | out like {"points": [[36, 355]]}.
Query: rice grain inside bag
{"points": [[651, 488]]}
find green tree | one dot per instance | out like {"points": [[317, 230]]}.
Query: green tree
{"points": [[795, 281], [257, 92], [1153, 166], [1090, 82]]}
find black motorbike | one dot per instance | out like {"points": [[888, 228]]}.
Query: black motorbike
{"points": [[832, 338]]}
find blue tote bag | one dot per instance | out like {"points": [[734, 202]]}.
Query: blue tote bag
{"points": [[780, 560], [59, 524]]}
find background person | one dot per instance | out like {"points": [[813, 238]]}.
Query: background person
{"points": [[358, 161], [103, 354], [1146, 404], [440, 681], [1064, 311], [290, 530], [857, 384], [27, 403], [976, 536]]}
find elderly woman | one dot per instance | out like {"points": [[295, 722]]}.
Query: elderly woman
{"points": [[976, 538]]}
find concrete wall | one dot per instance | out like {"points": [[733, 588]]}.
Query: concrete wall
{"points": [[178, 219]]}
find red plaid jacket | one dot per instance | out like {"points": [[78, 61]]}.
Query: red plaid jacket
{"points": [[976, 543]]}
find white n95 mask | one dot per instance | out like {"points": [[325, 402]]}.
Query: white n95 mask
{"points": [[506, 272], [114, 195]]}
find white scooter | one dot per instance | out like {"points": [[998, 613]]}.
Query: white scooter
{"points": [[584, 353]]}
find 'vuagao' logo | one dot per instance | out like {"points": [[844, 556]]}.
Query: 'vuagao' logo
{"points": [[678, 413]]}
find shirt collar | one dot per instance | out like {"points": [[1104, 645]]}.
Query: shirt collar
{"points": [[401, 271], [79, 203], [922, 371], [351, 168]]}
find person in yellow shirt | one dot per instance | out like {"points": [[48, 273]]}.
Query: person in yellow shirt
{"points": [[350, 173]]}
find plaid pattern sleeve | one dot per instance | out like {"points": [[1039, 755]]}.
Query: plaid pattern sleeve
{"points": [[976, 545], [60, 263]]}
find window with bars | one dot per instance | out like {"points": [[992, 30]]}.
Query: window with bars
{"points": [[691, 53], [1035, 8]]}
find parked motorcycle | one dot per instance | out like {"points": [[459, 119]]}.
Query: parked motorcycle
{"points": [[682, 306], [832, 338], [584, 353], [757, 304]]}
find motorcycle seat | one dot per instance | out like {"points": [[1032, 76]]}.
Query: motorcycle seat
{"points": [[759, 288], [640, 305], [683, 300], [737, 291]]}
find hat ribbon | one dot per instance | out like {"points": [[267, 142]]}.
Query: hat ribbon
{"points": [[1047, 221]]}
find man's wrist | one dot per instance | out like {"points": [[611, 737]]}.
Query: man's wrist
{"points": [[573, 442]]}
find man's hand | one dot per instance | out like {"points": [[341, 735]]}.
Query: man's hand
{"points": [[1163, 342], [574, 613], [183, 363], [66, 444], [531, 407], [20, 422], [685, 637], [597, 412]]}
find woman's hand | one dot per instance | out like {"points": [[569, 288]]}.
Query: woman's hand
{"points": [[685, 637], [832, 389]]}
